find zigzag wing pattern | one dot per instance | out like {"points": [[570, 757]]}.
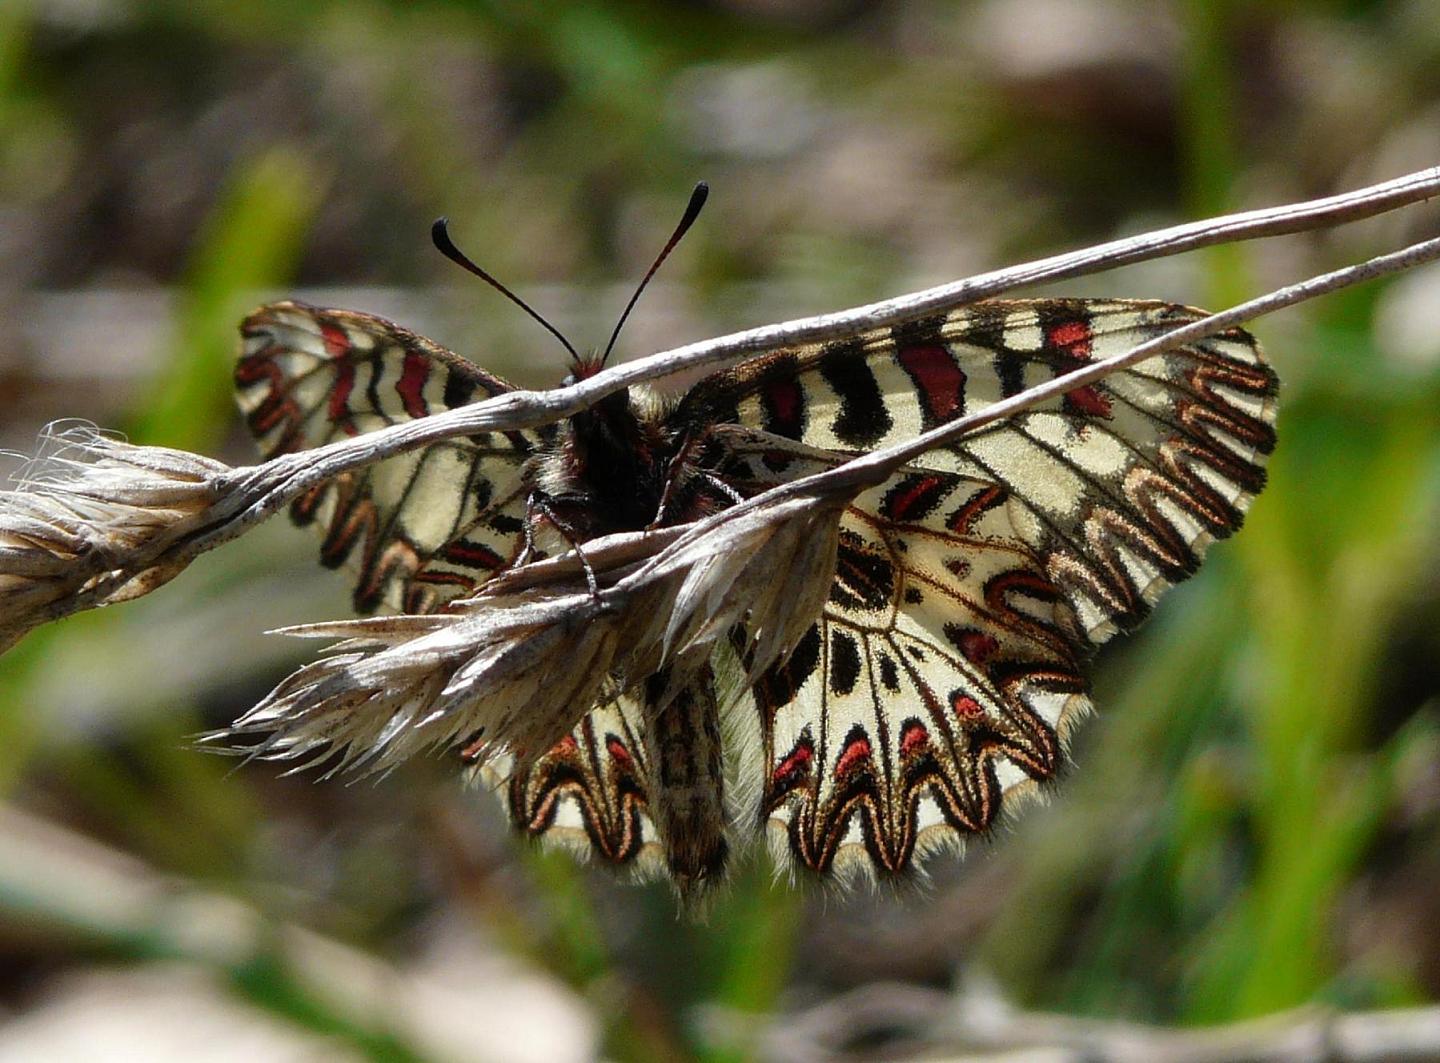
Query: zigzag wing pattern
{"points": [[946, 669], [941, 676], [420, 528], [636, 788], [589, 793]]}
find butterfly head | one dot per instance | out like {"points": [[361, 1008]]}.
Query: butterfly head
{"points": [[585, 366]]}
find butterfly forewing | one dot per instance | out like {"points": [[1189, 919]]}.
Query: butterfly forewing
{"points": [[1119, 486], [420, 528]]}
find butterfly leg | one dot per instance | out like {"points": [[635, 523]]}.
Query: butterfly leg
{"points": [[540, 504], [724, 488], [672, 478], [686, 454]]}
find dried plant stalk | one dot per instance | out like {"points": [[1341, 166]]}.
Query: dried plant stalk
{"points": [[95, 521]]}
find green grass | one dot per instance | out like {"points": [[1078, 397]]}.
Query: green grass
{"points": [[1246, 767]]}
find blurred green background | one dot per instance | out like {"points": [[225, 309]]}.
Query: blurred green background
{"points": [[1253, 821]]}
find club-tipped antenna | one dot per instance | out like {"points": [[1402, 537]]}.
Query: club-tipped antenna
{"points": [[692, 211], [440, 235]]}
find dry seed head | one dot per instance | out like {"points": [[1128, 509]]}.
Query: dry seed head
{"points": [[519, 668], [87, 522]]}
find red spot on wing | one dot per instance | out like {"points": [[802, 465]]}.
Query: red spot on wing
{"points": [[337, 344], [1071, 339], [793, 768], [478, 554], [977, 646], [1090, 401], [411, 384], [963, 519], [856, 752], [784, 403], [939, 380], [565, 746], [913, 739], [340, 396], [618, 752], [957, 567], [966, 707], [274, 409], [257, 367]]}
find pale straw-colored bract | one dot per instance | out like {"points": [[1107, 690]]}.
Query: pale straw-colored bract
{"points": [[512, 670]]}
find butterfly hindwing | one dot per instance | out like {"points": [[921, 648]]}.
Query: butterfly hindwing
{"points": [[942, 673], [422, 527], [638, 784], [590, 792]]}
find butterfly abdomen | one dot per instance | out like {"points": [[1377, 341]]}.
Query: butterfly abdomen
{"points": [[688, 785]]}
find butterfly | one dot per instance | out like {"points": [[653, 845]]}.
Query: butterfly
{"points": [[941, 680]]}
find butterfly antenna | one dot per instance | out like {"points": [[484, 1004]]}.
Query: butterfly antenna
{"points": [[440, 235], [692, 211]]}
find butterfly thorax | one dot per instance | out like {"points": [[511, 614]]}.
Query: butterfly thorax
{"points": [[607, 469]]}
